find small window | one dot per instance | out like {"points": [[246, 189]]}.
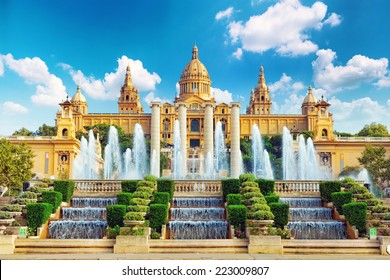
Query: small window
{"points": [[195, 125], [223, 111], [324, 134], [127, 97], [166, 111], [64, 132]]}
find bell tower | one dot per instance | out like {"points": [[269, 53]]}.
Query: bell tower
{"points": [[260, 101], [129, 100]]}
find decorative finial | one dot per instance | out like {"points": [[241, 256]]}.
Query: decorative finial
{"points": [[78, 87], [261, 69], [195, 52], [310, 90]]}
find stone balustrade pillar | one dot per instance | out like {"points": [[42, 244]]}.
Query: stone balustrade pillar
{"points": [[235, 139], [155, 139]]}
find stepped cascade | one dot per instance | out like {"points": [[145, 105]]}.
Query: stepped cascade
{"points": [[308, 220], [86, 219], [198, 218]]}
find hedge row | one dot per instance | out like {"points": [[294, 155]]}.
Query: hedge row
{"points": [[281, 212], [161, 198], [38, 214], [355, 213], [237, 215], [129, 185], [66, 187], [124, 198], [267, 187], [115, 214], [341, 198], [230, 186], [233, 199], [166, 185], [327, 188], [158, 215], [53, 198]]}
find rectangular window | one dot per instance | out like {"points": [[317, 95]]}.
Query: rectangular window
{"points": [[46, 162]]}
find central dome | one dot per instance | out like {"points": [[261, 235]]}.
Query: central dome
{"points": [[194, 79]]}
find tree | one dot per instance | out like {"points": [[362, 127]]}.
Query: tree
{"points": [[307, 134], [350, 171], [46, 130], [23, 132], [374, 160], [16, 163], [342, 134], [374, 129]]}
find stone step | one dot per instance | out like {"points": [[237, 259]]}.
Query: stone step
{"points": [[209, 250], [46, 250], [332, 251], [63, 243]]}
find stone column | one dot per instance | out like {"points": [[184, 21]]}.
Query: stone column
{"points": [[235, 139], [208, 129], [155, 138], [182, 112]]}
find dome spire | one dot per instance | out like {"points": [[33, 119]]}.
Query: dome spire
{"points": [[261, 82], [195, 52], [128, 76]]}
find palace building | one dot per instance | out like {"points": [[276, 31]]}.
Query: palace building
{"points": [[198, 114]]}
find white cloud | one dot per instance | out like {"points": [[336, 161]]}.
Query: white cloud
{"points": [[10, 108], [64, 66], [283, 27], [49, 88], [177, 89], [333, 20], [358, 70], [384, 81], [238, 54], [290, 105], [352, 116], [151, 97], [1, 66], [109, 87], [221, 96], [224, 14], [286, 85]]}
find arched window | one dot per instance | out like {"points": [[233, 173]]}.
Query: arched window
{"points": [[127, 98], [166, 111], [262, 98], [166, 125], [64, 132], [195, 125], [324, 134], [224, 123]]}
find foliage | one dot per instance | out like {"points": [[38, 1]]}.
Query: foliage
{"points": [[262, 215], [5, 215], [374, 202], [250, 184], [115, 214], [380, 209], [53, 198], [11, 208], [249, 189], [281, 212], [23, 132], [350, 171], [150, 178], [124, 198], [257, 206], [23, 201], [237, 215], [341, 198], [271, 198], [233, 199], [166, 185], [254, 200], [113, 232], [154, 234], [129, 185], [267, 187], [246, 178], [139, 201], [158, 215], [327, 188], [144, 195], [375, 161], [230, 186], [146, 184], [145, 189], [16, 163], [138, 208], [29, 195], [386, 217], [134, 216], [161, 198], [358, 189], [307, 134], [374, 130], [46, 130], [249, 195], [342, 134], [41, 185], [38, 214], [66, 187], [355, 213], [283, 233]]}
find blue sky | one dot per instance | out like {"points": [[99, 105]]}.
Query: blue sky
{"points": [[341, 48]]}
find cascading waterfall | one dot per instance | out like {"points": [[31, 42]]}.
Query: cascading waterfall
{"points": [[198, 218], [308, 220], [220, 149], [261, 162], [84, 220]]}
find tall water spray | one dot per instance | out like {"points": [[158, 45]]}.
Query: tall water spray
{"points": [[139, 152], [289, 161], [85, 165], [220, 149], [176, 151], [261, 161], [112, 156]]}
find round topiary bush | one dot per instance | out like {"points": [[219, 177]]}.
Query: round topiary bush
{"points": [[262, 215], [29, 195], [134, 216], [138, 208], [233, 199], [257, 207], [143, 195], [246, 178], [139, 201], [249, 189]]}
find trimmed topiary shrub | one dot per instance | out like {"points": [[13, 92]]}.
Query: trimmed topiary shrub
{"points": [[29, 195], [138, 208], [134, 216], [237, 215], [254, 200], [281, 212], [257, 207], [158, 215], [129, 185], [53, 198], [124, 198], [271, 198], [5, 215], [150, 178], [373, 202], [145, 184], [327, 188], [267, 187], [249, 189], [139, 201], [246, 178], [11, 208], [166, 185], [145, 189], [143, 195], [161, 198], [230, 186], [234, 199], [41, 185], [262, 215], [249, 195], [341, 198], [38, 214], [66, 187], [115, 214], [355, 213], [357, 189]]}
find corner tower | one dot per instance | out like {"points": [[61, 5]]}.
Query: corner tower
{"points": [[129, 100], [260, 102], [79, 102], [309, 103]]}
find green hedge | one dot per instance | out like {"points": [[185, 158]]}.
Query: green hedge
{"points": [[257, 206], [161, 198], [166, 185], [271, 198], [254, 200], [38, 214], [237, 215], [129, 185], [358, 189], [246, 178], [139, 201], [134, 216], [327, 188], [66, 187], [53, 198], [147, 184], [29, 195], [249, 195], [145, 189], [267, 187], [115, 214], [124, 198], [234, 199], [138, 208], [143, 195], [150, 178], [247, 189], [263, 215], [281, 212], [158, 215], [230, 186], [341, 198], [355, 213]]}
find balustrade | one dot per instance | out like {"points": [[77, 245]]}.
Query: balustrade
{"points": [[290, 186], [94, 186], [198, 186]]}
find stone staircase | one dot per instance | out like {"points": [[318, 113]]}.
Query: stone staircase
{"points": [[63, 246], [331, 247], [217, 246]]}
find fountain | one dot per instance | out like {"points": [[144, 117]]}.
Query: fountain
{"points": [[220, 150], [261, 162], [85, 165], [112, 156], [177, 169]]}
